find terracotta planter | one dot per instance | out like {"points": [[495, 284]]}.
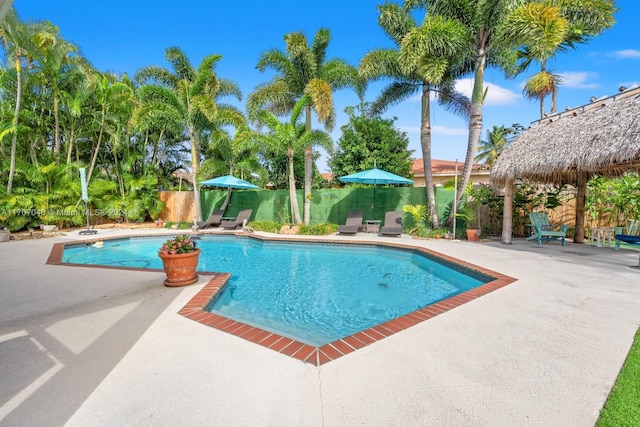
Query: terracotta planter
{"points": [[180, 268], [473, 234]]}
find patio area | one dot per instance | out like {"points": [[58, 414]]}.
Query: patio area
{"points": [[544, 350]]}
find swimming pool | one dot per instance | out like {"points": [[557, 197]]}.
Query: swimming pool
{"points": [[313, 293]]}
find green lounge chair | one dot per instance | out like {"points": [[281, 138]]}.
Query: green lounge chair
{"points": [[543, 229]]}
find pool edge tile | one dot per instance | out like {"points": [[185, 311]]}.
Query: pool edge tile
{"points": [[195, 308]]}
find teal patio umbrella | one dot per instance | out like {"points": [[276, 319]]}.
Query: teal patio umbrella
{"points": [[375, 176], [229, 181]]}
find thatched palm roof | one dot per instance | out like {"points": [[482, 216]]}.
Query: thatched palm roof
{"points": [[187, 176], [600, 138]]}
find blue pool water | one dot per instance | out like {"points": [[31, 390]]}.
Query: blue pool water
{"points": [[314, 293]]}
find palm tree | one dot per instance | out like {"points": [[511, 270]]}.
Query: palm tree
{"points": [[158, 115], [108, 93], [230, 155], [491, 40], [56, 62], [291, 136], [198, 91], [301, 70], [20, 43], [540, 85], [425, 61], [560, 25], [490, 150]]}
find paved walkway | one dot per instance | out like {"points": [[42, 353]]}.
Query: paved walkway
{"points": [[544, 350]]}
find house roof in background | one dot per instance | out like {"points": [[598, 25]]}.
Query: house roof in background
{"points": [[442, 167]]}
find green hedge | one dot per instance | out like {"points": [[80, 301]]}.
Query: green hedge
{"points": [[327, 205]]}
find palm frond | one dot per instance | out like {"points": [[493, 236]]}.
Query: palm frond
{"points": [[393, 94]]}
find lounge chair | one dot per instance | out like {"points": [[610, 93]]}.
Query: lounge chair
{"points": [[353, 223], [392, 224], [542, 228], [214, 220], [236, 223], [630, 240], [631, 230]]}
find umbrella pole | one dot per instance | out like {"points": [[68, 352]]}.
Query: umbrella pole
{"points": [[373, 205]]}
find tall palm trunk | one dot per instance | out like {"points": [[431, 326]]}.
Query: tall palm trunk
{"points": [[542, 95], [475, 125], [118, 170], [94, 157], [56, 119], [70, 144], [308, 172], [155, 159], [194, 168], [425, 142], [16, 113], [295, 210]]}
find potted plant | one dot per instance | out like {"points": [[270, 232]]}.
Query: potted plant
{"points": [[179, 257], [467, 214]]}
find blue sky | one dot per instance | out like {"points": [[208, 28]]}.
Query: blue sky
{"points": [[123, 36]]}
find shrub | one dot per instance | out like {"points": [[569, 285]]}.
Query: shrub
{"points": [[268, 226], [317, 229]]}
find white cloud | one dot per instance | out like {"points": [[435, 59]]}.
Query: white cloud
{"points": [[496, 95], [435, 130], [627, 53], [577, 79]]}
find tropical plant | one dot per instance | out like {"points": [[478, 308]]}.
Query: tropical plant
{"points": [[368, 142], [20, 42], [303, 69], [420, 216], [196, 96], [492, 33], [291, 137], [554, 26], [424, 61], [181, 244], [612, 201], [490, 149], [467, 214]]}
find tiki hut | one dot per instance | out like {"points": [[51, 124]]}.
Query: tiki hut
{"points": [[600, 138]]}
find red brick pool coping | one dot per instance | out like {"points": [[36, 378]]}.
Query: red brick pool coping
{"points": [[317, 356]]}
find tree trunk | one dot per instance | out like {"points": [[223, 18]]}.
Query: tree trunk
{"points": [[56, 118], [295, 210], [475, 124], [542, 95], [425, 142], [507, 214], [70, 145], [16, 113], [195, 164], [578, 237], [94, 157], [308, 171]]}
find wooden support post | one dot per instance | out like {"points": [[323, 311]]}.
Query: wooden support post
{"points": [[581, 196], [507, 213]]}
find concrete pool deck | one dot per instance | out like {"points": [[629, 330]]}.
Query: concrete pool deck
{"points": [[544, 350]]}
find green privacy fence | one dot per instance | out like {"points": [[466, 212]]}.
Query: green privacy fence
{"points": [[327, 205]]}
